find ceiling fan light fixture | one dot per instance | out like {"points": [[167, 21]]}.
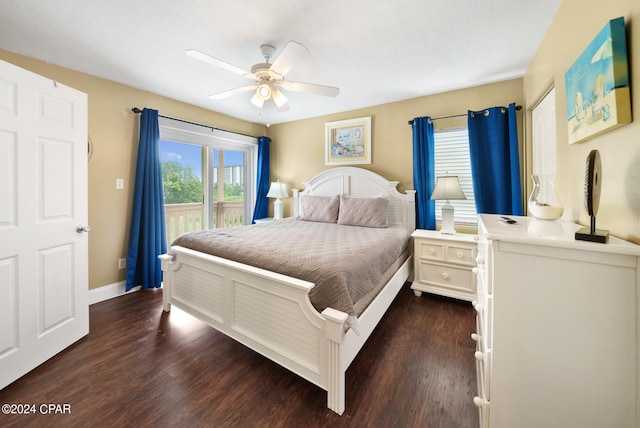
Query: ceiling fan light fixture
{"points": [[264, 91], [278, 98], [268, 76], [257, 101]]}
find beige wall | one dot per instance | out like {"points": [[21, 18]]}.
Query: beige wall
{"points": [[297, 148], [573, 28], [113, 129]]}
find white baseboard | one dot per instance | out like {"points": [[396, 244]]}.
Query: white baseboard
{"points": [[109, 292]]}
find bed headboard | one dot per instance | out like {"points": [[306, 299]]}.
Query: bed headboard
{"points": [[362, 183]]}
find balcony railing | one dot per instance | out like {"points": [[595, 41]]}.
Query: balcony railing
{"points": [[182, 218]]}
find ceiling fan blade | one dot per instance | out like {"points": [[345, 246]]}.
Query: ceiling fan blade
{"points": [[284, 107], [292, 53], [231, 92], [217, 62], [310, 88]]}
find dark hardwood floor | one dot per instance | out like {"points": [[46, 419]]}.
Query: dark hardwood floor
{"points": [[142, 367]]}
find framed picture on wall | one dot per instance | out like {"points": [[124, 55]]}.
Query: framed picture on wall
{"points": [[348, 142], [597, 85]]}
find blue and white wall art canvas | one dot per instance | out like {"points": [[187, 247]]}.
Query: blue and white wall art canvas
{"points": [[597, 85]]}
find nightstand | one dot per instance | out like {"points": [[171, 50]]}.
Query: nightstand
{"points": [[443, 264], [263, 220]]}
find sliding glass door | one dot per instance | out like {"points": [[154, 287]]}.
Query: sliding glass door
{"points": [[227, 188], [208, 177], [183, 187]]}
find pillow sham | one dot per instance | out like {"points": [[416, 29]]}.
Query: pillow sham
{"points": [[367, 212], [320, 208]]}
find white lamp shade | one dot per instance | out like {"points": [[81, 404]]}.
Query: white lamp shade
{"points": [[278, 98], [257, 101], [264, 91], [278, 190], [447, 188]]}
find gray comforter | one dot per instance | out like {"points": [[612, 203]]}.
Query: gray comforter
{"points": [[344, 262]]}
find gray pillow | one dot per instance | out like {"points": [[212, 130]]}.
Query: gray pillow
{"points": [[367, 212], [320, 208]]}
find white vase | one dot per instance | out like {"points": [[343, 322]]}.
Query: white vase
{"points": [[545, 202]]}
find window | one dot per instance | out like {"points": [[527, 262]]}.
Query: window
{"points": [[198, 161], [452, 157]]}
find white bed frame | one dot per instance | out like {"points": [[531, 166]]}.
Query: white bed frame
{"points": [[271, 313]]}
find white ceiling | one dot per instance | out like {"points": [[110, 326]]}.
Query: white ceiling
{"points": [[375, 51]]}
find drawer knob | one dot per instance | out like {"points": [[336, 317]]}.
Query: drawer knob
{"points": [[478, 307], [475, 337], [474, 270], [432, 251], [479, 260], [459, 254], [479, 402], [479, 355], [445, 275]]}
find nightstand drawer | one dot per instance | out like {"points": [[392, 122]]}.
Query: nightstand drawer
{"points": [[430, 250], [464, 255], [448, 276]]}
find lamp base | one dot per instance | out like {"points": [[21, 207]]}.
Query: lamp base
{"points": [[447, 219], [277, 209]]}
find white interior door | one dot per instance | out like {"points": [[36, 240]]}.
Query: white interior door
{"points": [[543, 117], [43, 199]]}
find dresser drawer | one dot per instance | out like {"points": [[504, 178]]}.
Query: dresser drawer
{"points": [[483, 304], [484, 309], [448, 276], [483, 411], [483, 370]]}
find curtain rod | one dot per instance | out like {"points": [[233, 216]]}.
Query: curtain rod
{"points": [[460, 115], [137, 110]]}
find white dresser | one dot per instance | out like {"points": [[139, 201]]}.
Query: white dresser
{"points": [[556, 327]]}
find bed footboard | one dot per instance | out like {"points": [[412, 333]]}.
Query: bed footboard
{"points": [[268, 312]]}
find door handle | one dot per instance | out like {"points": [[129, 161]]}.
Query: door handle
{"points": [[81, 228]]}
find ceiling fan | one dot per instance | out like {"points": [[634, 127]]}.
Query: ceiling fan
{"points": [[268, 77]]}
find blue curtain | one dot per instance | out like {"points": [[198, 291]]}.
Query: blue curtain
{"points": [[148, 237], [262, 186], [423, 172], [495, 160]]}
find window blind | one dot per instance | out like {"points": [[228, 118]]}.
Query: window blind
{"points": [[452, 157]]}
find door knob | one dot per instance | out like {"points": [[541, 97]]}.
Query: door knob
{"points": [[81, 228]]}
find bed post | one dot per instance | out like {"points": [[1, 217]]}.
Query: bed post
{"points": [[411, 211], [336, 395], [296, 202], [165, 260]]}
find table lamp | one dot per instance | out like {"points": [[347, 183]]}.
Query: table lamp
{"points": [[447, 188], [277, 190]]}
